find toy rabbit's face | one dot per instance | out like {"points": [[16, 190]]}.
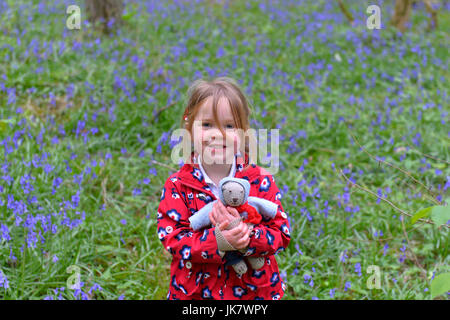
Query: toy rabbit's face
{"points": [[233, 194]]}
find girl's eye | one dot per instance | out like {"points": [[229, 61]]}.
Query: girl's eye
{"points": [[206, 124], [230, 126]]}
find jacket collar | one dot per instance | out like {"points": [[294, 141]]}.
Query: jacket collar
{"points": [[191, 175], [208, 180]]}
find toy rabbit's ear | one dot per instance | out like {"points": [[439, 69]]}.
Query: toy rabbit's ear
{"points": [[246, 186]]}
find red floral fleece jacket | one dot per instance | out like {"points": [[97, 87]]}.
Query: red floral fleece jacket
{"points": [[197, 270]]}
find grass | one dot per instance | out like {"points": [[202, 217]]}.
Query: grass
{"points": [[79, 135]]}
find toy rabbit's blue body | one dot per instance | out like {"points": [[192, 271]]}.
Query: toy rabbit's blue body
{"points": [[264, 207]]}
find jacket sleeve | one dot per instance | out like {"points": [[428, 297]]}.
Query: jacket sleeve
{"points": [[174, 230], [271, 235]]}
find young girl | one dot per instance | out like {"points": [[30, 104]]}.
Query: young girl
{"points": [[216, 115]]}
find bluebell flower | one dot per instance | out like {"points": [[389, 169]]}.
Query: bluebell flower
{"points": [[347, 286], [343, 257], [3, 280], [95, 287], [385, 248], [332, 292], [4, 232], [358, 268]]}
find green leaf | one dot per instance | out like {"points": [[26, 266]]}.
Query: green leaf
{"points": [[440, 284], [4, 124], [440, 214], [107, 274], [422, 213], [447, 201], [439, 165], [131, 13]]}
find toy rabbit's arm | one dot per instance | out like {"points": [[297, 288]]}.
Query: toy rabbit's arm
{"points": [[266, 208], [200, 219], [272, 235]]}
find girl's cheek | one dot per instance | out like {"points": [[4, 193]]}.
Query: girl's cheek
{"points": [[236, 144], [197, 139], [233, 143]]}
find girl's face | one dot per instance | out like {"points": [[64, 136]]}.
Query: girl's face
{"points": [[207, 138]]}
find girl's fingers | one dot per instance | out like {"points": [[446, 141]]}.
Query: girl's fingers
{"points": [[212, 218], [216, 212], [244, 228], [223, 211], [243, 243], [233, 212], [240, 231], [235, 232], [223, 225]]}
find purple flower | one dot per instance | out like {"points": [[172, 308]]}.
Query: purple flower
{"points": [[306, 278], [358, 269], [220, 52], [343, 256], [295, 271], [3, 280], [136, 192], [385, 248], [378, 233], [95, 287], [402, 256], [4, 233], [11, 92], [152, 171], [298, 249], [332, 292], [347, 286]]}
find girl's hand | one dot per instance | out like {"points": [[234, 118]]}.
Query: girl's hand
{"points": [[238, 237], [219, 214]]}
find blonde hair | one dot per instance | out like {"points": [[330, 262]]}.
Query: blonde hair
{"points": [[201, 89]]}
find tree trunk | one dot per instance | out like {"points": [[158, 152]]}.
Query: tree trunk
{"points": [[402, 12], [433, 23], [346, 13], [108, 13]]}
